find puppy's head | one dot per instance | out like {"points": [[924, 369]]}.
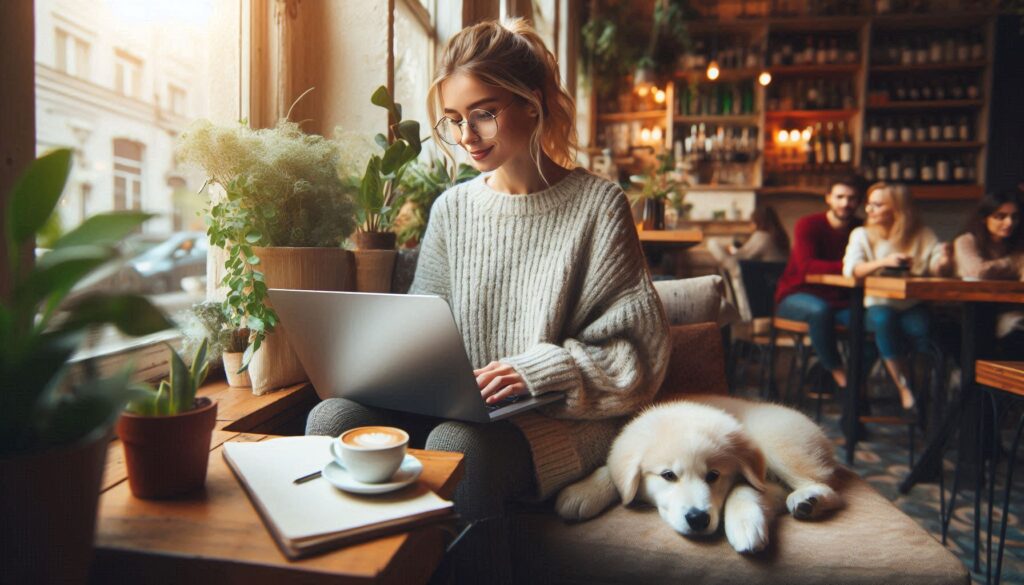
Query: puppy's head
{"points": [[684, 458]]}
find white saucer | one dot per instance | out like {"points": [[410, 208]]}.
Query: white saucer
{"points": [[339, 477]]}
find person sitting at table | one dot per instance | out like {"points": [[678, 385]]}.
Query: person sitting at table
{"points": [[893, 238], [769, 242], [542, 266], [819, 242], [991, 247]]}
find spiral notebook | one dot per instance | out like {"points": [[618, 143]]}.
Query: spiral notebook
{"points": [[314, 516]]}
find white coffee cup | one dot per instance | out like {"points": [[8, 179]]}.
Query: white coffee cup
{"points": [[371, 454]]}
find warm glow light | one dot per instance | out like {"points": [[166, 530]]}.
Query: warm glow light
{"points": [[713, 70], [765, 78], [806, 134], [794, 135], [643, 90], [783, 136], [645, 135], [659, 96], [656, 134]]}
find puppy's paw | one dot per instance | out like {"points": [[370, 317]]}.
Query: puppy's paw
{"points": [[588, 498], [746, 528], [812, 501]]}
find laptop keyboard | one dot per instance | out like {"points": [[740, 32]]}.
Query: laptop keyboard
{"points": [[503, 403]]}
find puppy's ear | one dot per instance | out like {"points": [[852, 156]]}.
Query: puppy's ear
{"points": [[752, 463], [625, 471]]}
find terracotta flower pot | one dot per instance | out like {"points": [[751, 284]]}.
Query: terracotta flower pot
{"points": [[374, 240], [48, 504], [233, 361], [168, 455]]}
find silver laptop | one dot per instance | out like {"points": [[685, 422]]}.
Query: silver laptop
{"points": [[401, 352]]}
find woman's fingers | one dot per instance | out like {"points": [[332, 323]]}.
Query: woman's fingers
{"points": [[488, 373], [489, 367], [509, 391]]}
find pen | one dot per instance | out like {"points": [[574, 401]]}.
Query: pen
{"points": [[307, 477]]}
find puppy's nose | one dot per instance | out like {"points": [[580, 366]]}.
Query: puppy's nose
{"points": [[697, 519]]}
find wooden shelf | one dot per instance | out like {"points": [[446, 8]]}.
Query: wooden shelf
{"points": [[796, 24], [951, 20], [958, 66], [633, 116], [950, 145], [792, 190], [721, 188], [812, 114], [785, 70], [928, 105], [751, 119], [723, 75]]}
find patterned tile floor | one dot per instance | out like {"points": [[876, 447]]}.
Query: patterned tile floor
{"points": [[881, 459]]}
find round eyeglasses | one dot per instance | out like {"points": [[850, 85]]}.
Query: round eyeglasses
{"points": [[483, 123]]}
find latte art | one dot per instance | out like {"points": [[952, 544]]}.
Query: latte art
{"points": [[374, 437]]}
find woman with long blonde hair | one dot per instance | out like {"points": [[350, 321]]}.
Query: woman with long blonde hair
{"points": [[543, 270], [894, 239]]}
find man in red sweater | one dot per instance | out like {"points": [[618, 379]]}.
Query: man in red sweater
{"points": [[819, 242]]}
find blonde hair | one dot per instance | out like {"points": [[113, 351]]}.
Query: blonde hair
{"points": [[905, 223], [510, 55]]}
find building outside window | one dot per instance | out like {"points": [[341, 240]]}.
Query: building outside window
{"points": [[127, 74], [72, 54], [128, 174], [178, 99]]}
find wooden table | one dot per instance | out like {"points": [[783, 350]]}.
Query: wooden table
{"points": [[1004, 380], [685, 238], [217, 536]]}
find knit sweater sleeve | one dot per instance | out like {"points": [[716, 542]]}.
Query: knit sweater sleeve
{"points": [[858, 250], [971, 264], [615, 351], [432, 265]]}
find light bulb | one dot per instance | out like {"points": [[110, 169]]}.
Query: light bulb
{"points": [[794, 135], [806, 134], [659, 96], [656, 134], [645, 135], [643, 90], [713, 70], [782, 136], [765, 78]]}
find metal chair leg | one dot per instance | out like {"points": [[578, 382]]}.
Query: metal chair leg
{"points": [[1012, 458]]}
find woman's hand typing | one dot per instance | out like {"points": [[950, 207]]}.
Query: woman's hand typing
{"points": [[498, 381]]}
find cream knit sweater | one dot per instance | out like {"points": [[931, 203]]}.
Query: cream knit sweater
{"points": [[555, 284]]}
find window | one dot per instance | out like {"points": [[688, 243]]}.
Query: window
{"points": [[178, 99], [127, 75], [414, 49], [71, 54], [127, 174]]}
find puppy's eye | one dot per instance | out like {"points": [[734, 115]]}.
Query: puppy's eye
{"points": [[669, 475], [711, 476]]}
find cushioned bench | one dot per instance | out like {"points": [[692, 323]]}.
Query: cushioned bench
{"points": [[870, 541]]}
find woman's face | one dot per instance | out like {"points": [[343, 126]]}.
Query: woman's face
{"points": [[879, 209], [1003, 221], [512, 125]]}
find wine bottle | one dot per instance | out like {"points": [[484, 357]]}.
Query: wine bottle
{"points": [[845, 145], [830, 145]]}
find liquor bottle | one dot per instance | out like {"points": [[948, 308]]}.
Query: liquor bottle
{"points": [[963, 129], [821, 54], [909, 166], [831, 145], [927, 170], [959, 170], [906, 131], [963, 48], [942, 172], [920, 131], [971, 168], [875, 131], [833, 51], [934, 129], [926, 91], [882, 169], [891, 133], [977, 47], [956, 90], [849, 99], [973, 92], [913, 91], [845, 144], [901, 91], [935, 49], [940, 89], [920, 52], [948, 129], [819, 145], [894, 169]]}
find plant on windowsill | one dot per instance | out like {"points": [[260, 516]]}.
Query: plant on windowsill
{"points": [[422, 184], [658, 186], [54, 432], [379, 197], [280, 213], [207, 322], [166, 431]]}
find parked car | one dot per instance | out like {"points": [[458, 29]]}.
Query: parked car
{"points": [[161, 268]]}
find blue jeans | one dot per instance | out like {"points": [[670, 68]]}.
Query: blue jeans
{"points": [[821, 319], [892, 327]]}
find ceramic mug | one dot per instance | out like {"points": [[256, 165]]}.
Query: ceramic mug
{"points": [[371, 454]]}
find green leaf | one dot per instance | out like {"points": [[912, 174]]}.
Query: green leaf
{"points": [[35, 196], [381, 140], [410, 131], [253, 260], [132, 314], [181, 381], [199, 365], [254, 322], [394, 157], [253, 237], [104, 229], [382, 98], [370, 196]]}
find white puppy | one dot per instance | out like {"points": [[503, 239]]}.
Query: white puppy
{"points": [[706, 457]]}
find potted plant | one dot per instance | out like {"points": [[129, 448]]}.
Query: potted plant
{"points": [[207, 322], [658, 186], [421, 185], [280, 212], [54, 435], [379, 197], [166, 432]]}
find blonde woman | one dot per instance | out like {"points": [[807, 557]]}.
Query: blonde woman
{"points": [[543, 270], [893, 238]]}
